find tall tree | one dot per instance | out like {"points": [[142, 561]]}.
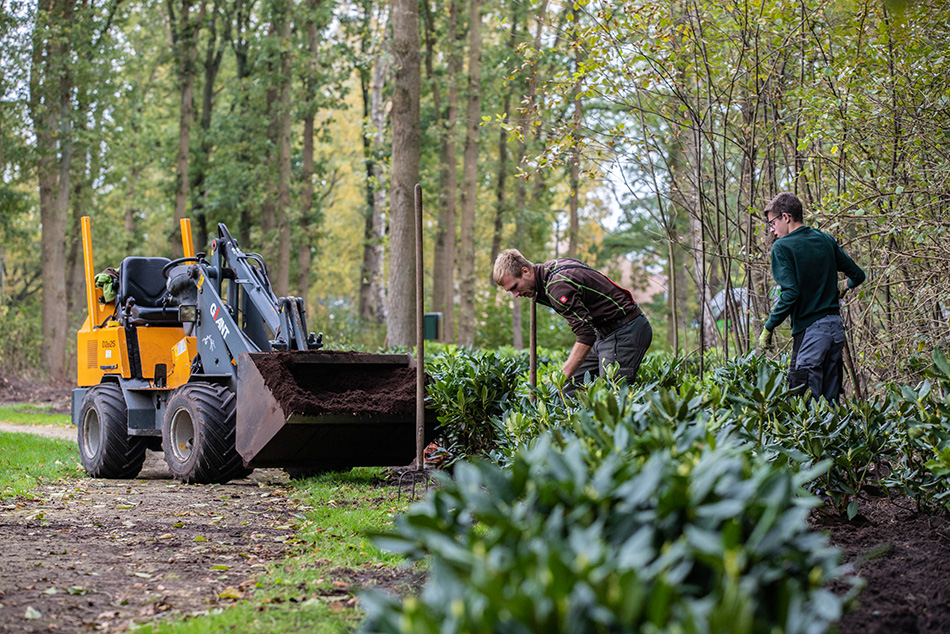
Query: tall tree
{"points": [[401, 297], [284, 107], [214, 54], [50, 103], [374, 69], [573, 225], [501, 205], [270, 61], [443, 268], [184, 24], [91, 96], [307, 225], [240, 34], [473, 120], [526, 131]]}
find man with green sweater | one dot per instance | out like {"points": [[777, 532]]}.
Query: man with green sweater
{"points": [[805, 264]]}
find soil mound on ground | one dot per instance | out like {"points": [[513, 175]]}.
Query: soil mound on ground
{"points": [[904, 558], [90, 555], [15, 389]]}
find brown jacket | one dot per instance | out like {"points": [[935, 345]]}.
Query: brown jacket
{"points": [[585, 297]]}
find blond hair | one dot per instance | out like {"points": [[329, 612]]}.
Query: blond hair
{"points": [[509, 262]]}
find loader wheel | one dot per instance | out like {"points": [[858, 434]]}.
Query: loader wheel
{"points": [[198, 434], [105, 447]]}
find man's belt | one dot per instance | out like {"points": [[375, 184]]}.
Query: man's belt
{"points": [[608, 327]]}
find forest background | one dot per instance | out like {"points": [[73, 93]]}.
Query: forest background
{"points": [[617, 131]]}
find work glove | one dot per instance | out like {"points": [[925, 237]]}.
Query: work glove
{"points": [[765, 340]]}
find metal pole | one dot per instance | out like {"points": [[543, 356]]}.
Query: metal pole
{"points": [[533, 346], [420, 338]]}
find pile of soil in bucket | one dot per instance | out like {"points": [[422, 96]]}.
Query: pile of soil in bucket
{"points": [[338, 385]]}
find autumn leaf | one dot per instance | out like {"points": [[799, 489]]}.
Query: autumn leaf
{"points": [[230, 593]]}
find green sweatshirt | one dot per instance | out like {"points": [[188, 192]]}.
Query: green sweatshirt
{"points": [[805, 264]]}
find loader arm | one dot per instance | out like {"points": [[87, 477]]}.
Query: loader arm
{"points": [[282, 318], [234, 307]]}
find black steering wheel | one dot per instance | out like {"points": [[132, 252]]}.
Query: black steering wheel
{"points": [[188, 258]]}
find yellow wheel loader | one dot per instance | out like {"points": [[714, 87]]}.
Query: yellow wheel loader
{"points": [[197, 357]]}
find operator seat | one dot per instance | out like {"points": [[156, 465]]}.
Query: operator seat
{"points": [[141, 296]]}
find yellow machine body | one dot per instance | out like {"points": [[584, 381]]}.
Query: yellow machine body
{"points": [[198, 358], [103, 346]]}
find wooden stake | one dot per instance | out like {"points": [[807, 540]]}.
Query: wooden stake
{"points": [[420, 339], [533, 346]]}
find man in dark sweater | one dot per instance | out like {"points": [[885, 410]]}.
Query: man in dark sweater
{"points": [[609, 326], [805, 264]]}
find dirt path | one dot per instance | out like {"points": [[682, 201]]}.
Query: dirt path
{"points": [[89, 554], [48, 431]]}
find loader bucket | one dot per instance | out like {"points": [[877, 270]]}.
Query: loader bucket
{"points": [[327, 410]]}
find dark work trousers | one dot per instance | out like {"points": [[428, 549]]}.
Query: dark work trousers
{"points": [[624, 346], [816, 359]]}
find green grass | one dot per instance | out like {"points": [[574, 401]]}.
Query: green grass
{"points": [[26, 460], [345, 507], [336, 511], [253, 617], [28, 414]]}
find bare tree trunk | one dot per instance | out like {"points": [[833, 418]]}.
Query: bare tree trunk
{"points": [[690, 197], [443, 270], [184, 35], [269, 173], [500, 202], [672, 335], [755, 275], [49, 107], [524, 133], [306, 174], [685, 173], [372, 299], [282, 284], [78, 204], [469, 179], [697, 240], [214, 53], [130, 208], [269, 204], [574, 227], [237, 34], [304, 256], [378, 109], [405, 173]]}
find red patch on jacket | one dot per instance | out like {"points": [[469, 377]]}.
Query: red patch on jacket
{"points": [[563, 299]]}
